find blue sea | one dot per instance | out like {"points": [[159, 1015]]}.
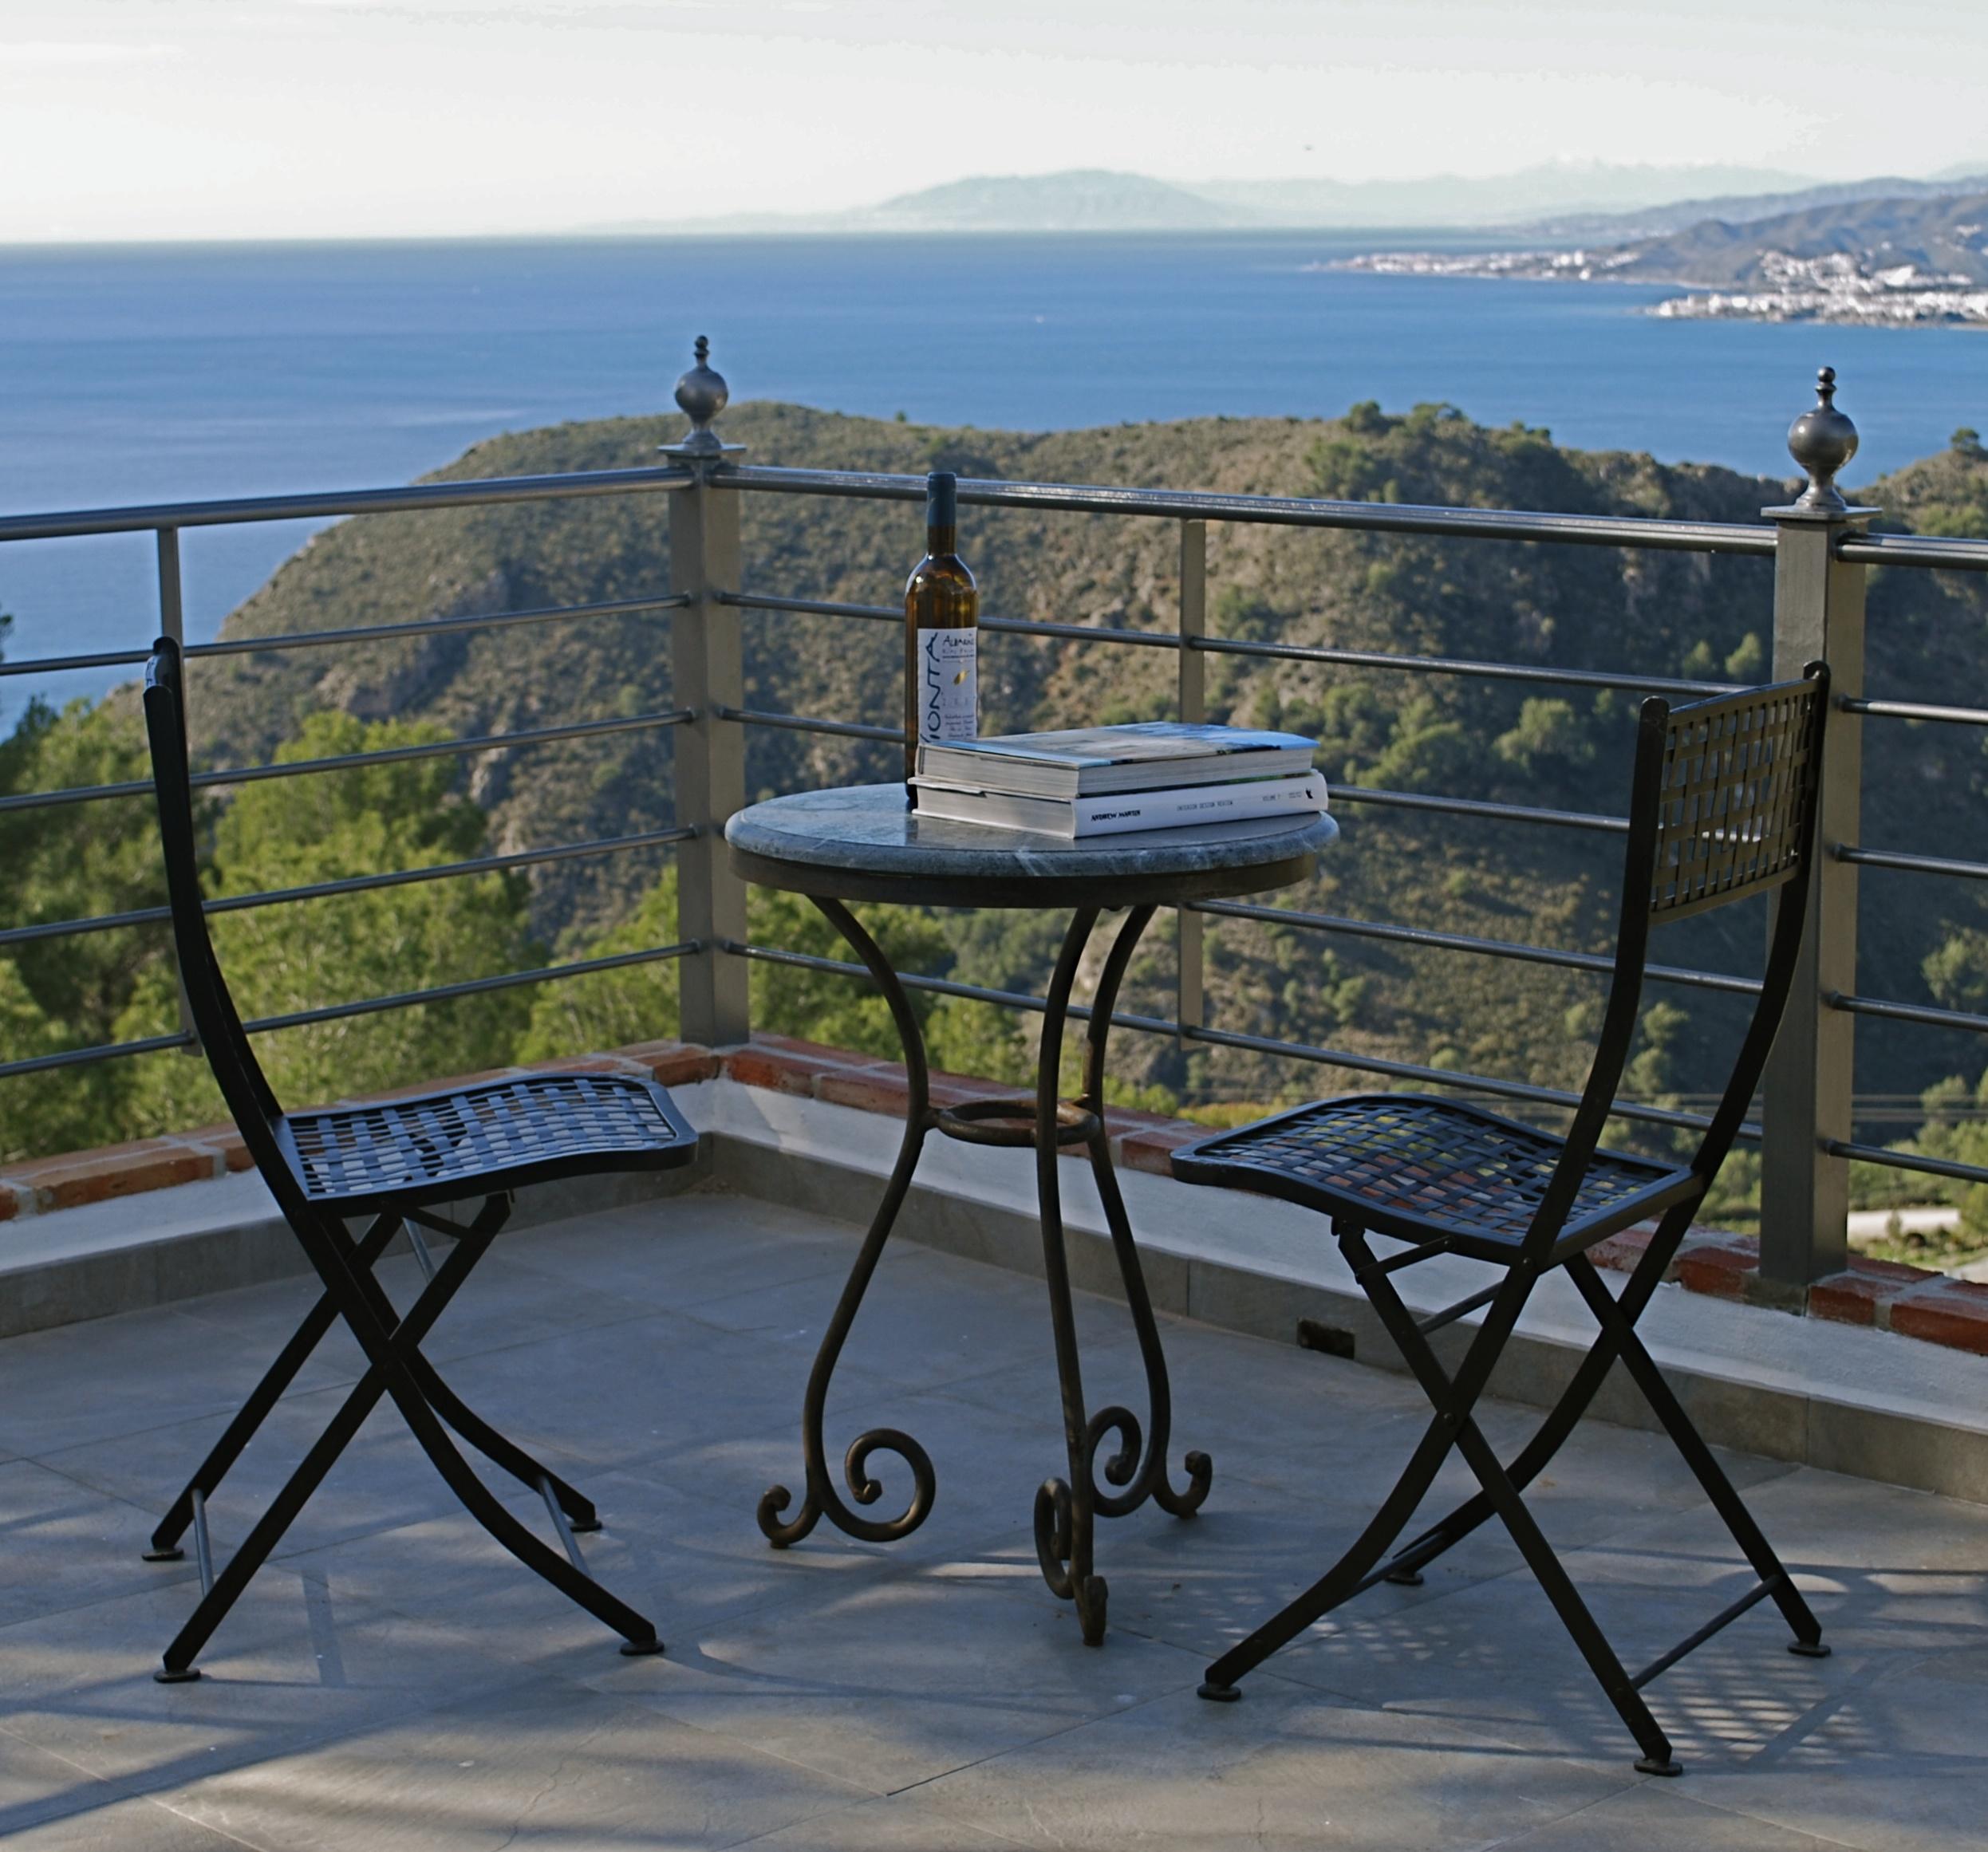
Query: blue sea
{"points": [[136, 375]]}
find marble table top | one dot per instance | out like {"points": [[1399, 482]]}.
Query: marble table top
{"points": [[859, 841]]}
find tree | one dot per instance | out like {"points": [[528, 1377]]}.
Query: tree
{"points": [[639, 1003]]}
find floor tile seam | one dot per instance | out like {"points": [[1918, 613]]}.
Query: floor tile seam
{"points": [[123, 1788], [221, 1833], [1719, 1806], [651, 1702]]}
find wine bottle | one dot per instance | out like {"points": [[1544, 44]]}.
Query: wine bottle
{"points": [[942, 615]]}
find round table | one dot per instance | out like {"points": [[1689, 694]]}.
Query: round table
{"points": [[861, 844]]}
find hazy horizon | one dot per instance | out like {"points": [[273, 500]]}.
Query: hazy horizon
{"points": [[143, 120]]}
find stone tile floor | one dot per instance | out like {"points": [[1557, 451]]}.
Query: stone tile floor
{"points": [[395, 1680]]}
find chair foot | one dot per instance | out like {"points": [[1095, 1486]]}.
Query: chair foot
{"points": [[186, 1675], [1809, 1649], [638, 1648], [1404, 1577], [1658, 1765], [175, 1555], [581, 1529], [1218, 1694]]}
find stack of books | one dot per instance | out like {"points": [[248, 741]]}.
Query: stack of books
{"points": [[1101, 781]]}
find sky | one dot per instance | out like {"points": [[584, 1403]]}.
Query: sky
{"points": [[221, 119]]}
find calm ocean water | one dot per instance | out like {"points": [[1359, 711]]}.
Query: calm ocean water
{"points": [[140, 375]]}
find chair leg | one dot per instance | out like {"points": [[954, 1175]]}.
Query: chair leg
{"points": [[1345, 1578], [207, 1477], [388, 1349], [1725, 1497], [495, 1447], [1454, 1411]]}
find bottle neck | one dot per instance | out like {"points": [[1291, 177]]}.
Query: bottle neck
{"points": [[942, 542]]}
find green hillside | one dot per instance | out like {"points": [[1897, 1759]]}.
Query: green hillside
{"points": [[1652, 613]]}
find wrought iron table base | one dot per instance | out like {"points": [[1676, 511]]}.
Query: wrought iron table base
{"points": [[1067, 1510]]}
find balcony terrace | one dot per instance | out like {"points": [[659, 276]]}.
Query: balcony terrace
{"points": [[392, 1677]]}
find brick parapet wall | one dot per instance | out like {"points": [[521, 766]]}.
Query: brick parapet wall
{"points": [[1883, 1294]]}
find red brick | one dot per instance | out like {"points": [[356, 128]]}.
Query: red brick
{"points": [[1716, 1265], [777, 1070], [883, 1089], [1620, 1253], [1850, 1297], [1153, 1149], [674, 1064], [117, 1170], [1954, 1312], [589, 1064], [821, 1051], [225, 1142], [7, 1204]]}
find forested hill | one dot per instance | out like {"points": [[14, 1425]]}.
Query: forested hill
{"points": [[1641, 613]]}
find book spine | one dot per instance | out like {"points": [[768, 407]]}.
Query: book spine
{"points": [[1110, 816]]}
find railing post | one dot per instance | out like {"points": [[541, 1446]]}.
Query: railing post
{"points": [[706, 673], [1818, 613], [173, 623], [1189, 926]]}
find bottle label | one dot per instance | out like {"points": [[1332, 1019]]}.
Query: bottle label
{"points": [[948, 684]]}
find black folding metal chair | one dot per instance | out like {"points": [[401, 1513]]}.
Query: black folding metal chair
{"points": [[389, 1163], [1723, 808]]}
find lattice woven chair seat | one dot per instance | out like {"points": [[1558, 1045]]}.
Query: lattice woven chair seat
{"points": [[1403, 1157], [471, 1133]]}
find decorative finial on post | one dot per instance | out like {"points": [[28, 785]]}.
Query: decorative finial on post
{"points": [[702, 393], [1822, 440]]}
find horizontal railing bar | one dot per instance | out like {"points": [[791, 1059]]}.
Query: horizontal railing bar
{"points": [[1255, 1044], [360, 633], [471, 987], [84, 1056], [1274, 510], [1477, 807], [806, 723], [476, 492], [366, 1007], [1904, 1160], [345, 762], [811, 607], [1420, 936], [431, 626], [350, 884], [1923, 1013], [52, 665], [1930, 550], [1931, 864], [1448, 665], [1283, 652], [1913, 710]]}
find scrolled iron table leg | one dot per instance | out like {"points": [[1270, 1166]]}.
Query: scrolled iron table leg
{"points": [[1066, 1510], [1151, 1479], [821, 1496]]}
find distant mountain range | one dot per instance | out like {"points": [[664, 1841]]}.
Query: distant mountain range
{"points": [[1096, 199], [1563, 201]]}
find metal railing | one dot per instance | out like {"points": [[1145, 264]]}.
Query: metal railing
{"points": [[1821, 549]]}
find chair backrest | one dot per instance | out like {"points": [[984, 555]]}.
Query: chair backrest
{"points": [[1734, 800], [223, 1039], [1723, 807]]}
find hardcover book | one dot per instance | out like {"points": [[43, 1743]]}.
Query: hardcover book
{"points": [[1083, 761]]}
